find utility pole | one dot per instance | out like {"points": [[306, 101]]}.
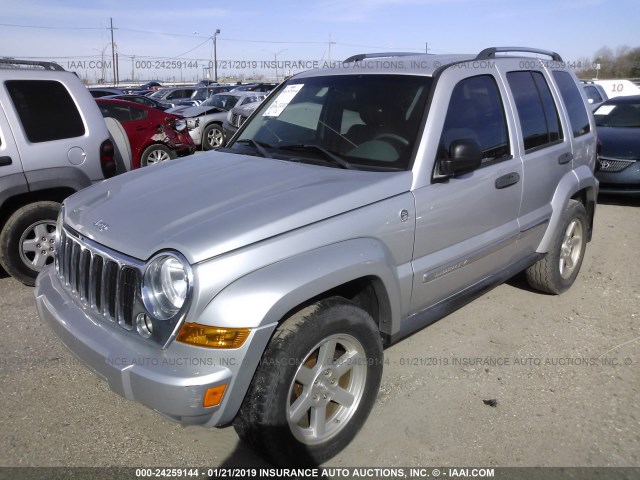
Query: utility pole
{"points": [[426, 47], [113, 54], [330, 43], [133, 57]]}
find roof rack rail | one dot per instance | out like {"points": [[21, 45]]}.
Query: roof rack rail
{"points": [[488, 53], [362, 56], [33, 63]]}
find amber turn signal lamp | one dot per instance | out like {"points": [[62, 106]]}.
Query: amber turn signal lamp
{"points": [[213, 396], [212, 337]]}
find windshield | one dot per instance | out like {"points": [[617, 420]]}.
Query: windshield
{"points": [[624, 114], [225, 102], [355, 121]]}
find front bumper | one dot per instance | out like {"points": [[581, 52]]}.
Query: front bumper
{"points": [[624, 182], [171, 381]]}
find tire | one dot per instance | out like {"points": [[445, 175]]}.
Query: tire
{"points": [[301, 412], [212, 137], [23, 252], [155, 154], [556, 272]]}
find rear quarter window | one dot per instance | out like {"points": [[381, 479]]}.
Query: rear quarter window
{"points": [[576, 107], [46, 110]]}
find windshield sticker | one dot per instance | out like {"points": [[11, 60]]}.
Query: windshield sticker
{"points": [[604, 110], [284, 98]]}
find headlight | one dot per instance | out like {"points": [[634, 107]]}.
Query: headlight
{"points": [[192, 123], [181, 124], [166, 285]]}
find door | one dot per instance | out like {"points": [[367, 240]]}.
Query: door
{"points": [[467, 225], [9, 157]]}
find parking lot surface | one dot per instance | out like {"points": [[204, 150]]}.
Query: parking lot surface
{"points": [[515, 378]]}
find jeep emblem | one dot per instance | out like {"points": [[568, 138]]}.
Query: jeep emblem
{"points": [[101, 226]]}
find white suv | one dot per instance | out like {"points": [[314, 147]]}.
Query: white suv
{"points": [[53, 142]]}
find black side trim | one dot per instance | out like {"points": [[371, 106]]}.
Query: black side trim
{"points": [[418, 321]]}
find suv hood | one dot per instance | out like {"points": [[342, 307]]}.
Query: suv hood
{"points": [[211, 204], [200, 110]]}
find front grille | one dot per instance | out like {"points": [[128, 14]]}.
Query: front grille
{"points": [[241, 120], [614, 164], [234, 119], [106, 283]]}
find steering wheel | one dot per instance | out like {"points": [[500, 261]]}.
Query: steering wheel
{"points": [[392, 136]]}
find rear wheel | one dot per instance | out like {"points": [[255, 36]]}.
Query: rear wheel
{"points": [[556, 272], [27, 240], [156, 154], [315, 386]]}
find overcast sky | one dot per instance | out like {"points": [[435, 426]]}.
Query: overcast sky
{"points": [[72, 30]]}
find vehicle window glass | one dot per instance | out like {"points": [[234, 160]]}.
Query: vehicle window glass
{"points": [[378, 133], [476, 112], [624, 113], [577, 110], [46, 110], [593, 94], [537, 131], [549, 107]]}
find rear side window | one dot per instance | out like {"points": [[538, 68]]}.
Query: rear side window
{"points": [[46, 110], [475, 113], [576, 108], [536, 109]]}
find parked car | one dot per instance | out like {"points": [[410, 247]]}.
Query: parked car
{"points": [[618, 125], [236, 118], [141, 99], [152, 86], [200, 95], [341, 219], [595, 93], [256, 87], [99, 92], [155, 136], [170, 96], [206, 83], [205, 121], [53, 142]]}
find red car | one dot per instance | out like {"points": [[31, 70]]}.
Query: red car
{"points": [[155, 136]]}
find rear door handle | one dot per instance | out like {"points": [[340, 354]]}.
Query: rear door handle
{"points": [[565, 158], [507, 180], [5, 161]]}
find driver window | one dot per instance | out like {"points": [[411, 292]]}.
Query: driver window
{"points": [[475, 112]]}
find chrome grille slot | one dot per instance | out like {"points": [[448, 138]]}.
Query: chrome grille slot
{"points": [[99, 280]]}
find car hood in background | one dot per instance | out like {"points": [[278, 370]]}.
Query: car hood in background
{"points": [[214, 203], [190, 112], [617, 142]]}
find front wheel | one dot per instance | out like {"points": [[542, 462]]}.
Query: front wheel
{"points": [[556, 272], [212, 137], [315, 386]]}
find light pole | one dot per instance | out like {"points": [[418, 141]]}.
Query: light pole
{"points": [[275, 56], [215, 55]]}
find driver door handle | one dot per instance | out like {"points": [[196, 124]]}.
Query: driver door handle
{"points": [[507, 180]]}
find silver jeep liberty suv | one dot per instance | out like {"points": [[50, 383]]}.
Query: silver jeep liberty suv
{"points": [[356, 206]]}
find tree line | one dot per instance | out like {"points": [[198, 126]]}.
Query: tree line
{"points": [[624, 62]]}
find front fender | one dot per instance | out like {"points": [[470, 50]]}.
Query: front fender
{"points": [[265, 296], [576, 180]]}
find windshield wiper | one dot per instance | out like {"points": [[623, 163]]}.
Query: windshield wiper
{"points": [[258, 146], [332, 157]]}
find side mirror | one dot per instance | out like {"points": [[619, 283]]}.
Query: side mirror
{"points": [[465, 156]]}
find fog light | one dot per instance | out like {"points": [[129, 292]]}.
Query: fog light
{"points": [[144, 325], [213, 396], [212, 337]]}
